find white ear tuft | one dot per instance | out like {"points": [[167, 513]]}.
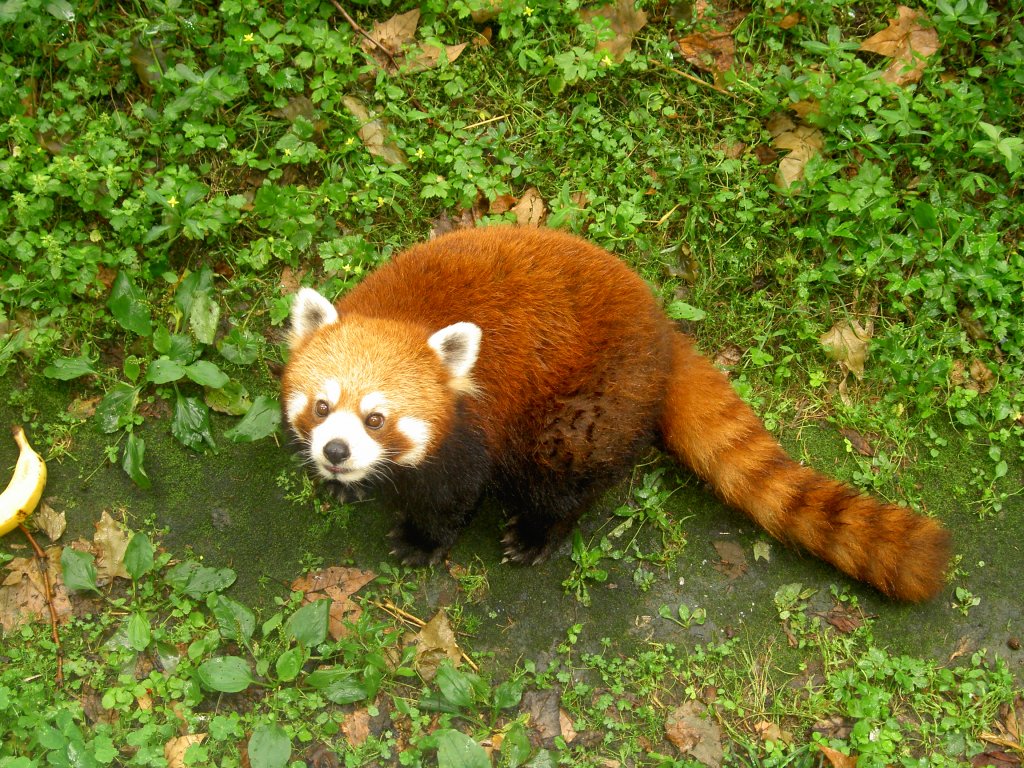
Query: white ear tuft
{"points": [[309, 311], [458, 346]]}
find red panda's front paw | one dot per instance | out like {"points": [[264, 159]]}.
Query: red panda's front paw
{"points": [[521, 549], [412, 553]]}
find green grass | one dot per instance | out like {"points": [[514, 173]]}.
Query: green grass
{"points": [[171, 170]]}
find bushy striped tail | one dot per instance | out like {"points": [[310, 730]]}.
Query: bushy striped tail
{"points": [[710, 429]]}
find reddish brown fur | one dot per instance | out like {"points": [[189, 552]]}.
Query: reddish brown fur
{"points": [[579, 369], [712, 430]]}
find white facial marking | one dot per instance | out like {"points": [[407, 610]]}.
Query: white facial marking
{"points": [[364, 451], [418, 432], [331, 392], [296, 404], [375, 401]]}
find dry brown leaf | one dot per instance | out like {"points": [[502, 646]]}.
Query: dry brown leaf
{"points": [[337, 584], [803, 143], [109, 544], [174, 749], [695, 733], [843, 618], [50, 521], [837, 758], [545, 714], [982, 377], [393, 34], [907, 43], [435, 643], [728, 356], [501, 204], [565, 725], [733, 562], [858, 441], [372, 132], [84, 407], [487, 10], [530, 211], [356, 726], [397, 36], [789, 21], [348, 580], [769, 731], [23, 592], [712, 52], [847, 343], [625, 20]]}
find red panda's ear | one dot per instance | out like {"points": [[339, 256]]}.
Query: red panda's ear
{"points": [[458, 346], [309, 311]]}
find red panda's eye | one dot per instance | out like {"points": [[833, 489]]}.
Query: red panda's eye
{"points": [[322, 408], [375, 420]]}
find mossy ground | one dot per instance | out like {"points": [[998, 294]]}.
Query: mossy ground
{"points": [[227, 508]]}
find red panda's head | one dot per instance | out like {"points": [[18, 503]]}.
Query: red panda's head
{"points": [[363, 393]]}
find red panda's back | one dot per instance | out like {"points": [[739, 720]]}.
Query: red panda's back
{"points": [[559, 315]]}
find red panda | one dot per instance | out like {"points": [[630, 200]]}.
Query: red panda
{"points": [[533, 365]]}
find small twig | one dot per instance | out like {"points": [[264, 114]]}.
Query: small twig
{"points": [[695, 79], [364, 33], [389, 607], [485, 122], [43, 564]]}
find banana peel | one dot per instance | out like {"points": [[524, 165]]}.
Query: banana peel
{"points": [[23, 492]]}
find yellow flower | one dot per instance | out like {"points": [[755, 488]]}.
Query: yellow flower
{"points": [[172, 201], [527, 10], [248, 38]]}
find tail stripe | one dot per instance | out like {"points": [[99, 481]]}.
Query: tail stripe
{"points": [[708, 427]]}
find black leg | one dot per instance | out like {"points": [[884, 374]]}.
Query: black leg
{"points": [[437, 498]]}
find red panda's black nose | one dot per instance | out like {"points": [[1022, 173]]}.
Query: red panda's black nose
{"points": [[337, 451]]}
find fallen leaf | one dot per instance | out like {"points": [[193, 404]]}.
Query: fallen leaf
{"points": [[981, 377], [393, 50], [356, 726], [624, 19], [907, 43], [963, 647], [836, 727], [23, 592], [347, 580], [174, 749], [762, 551], [84, 407], [109, 544], [789, 21], [728, 356], [847, 343], [858, 441], [565, 726], [733, 561], [694, 733], [712, 52], [372, 132], [50, 521], [530, 211], [837, 758], [802, 142], [337, 584], [769, 731], [545, 714], [843, 618], [501, 204], [435, 643]]}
